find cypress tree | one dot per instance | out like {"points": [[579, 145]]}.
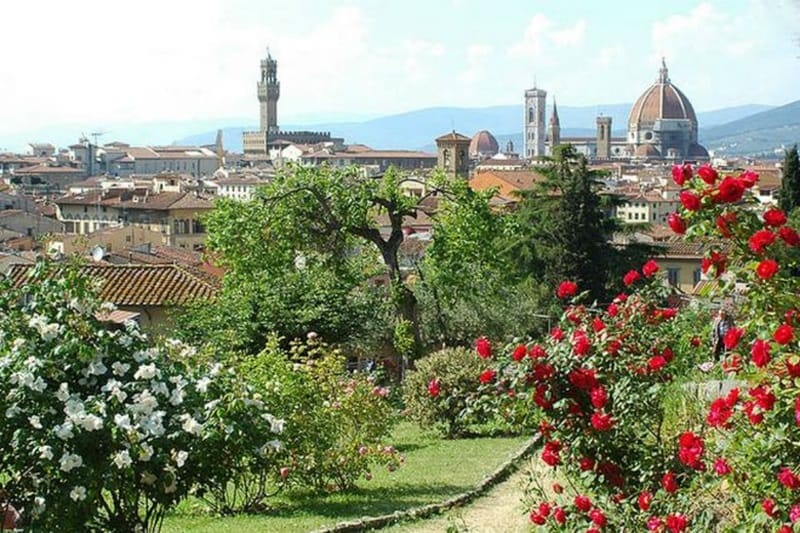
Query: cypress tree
{"points": [[790, 183]]}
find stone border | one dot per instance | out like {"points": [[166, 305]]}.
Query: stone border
{"points": [[425, 511]]}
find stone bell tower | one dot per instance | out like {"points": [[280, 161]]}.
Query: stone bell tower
{"points": [[269, 90]]}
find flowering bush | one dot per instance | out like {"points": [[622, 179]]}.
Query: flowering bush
{"points": [[604, 385], [101, 429], [337, 421], [442, 389]]}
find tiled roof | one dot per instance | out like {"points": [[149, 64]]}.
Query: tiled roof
{"points": [[45, 169], [453, 136], [140, 285]]}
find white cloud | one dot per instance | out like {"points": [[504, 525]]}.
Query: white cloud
{"points": [[478, 56], [542, 38]]}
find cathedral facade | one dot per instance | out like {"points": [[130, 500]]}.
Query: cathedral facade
{"points": [[662, 125]]}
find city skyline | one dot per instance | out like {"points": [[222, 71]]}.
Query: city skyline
{"points": [[182, 61]]}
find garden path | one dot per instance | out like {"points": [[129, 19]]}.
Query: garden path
{"points": [[498, 511]]}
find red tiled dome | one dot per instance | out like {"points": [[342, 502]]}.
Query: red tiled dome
{"points": [[661, 100], [483, 145]]}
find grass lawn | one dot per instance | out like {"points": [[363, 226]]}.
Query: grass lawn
{"points": [[435, 470]]}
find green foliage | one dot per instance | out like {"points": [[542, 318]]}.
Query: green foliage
{"points": [[562, 231], [336, 422], [789, 197], [456, 371]]}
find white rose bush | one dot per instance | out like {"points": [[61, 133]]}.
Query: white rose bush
{"points": [[103, 429]]}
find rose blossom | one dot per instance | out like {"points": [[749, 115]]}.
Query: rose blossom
{"points": [[759, 353], [668, 482], [681, 173], [650, 268], [483, 347], [783, 334], [721, 467], [767, 268], [676, 223], [774, 217], [707, 174], [567, 289], [689, 201], [760, 240], [789, 235], [631, 277]]}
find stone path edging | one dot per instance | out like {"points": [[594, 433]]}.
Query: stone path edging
{"points": [[425, 511]]}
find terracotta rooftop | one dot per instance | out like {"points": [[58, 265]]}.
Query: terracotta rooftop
{"points": [[140, 285]]}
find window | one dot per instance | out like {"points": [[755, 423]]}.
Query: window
{"points": [[673, 275], [696, 276]]}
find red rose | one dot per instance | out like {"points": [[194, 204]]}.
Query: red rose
{"points": [[613, 346], [708, 174], [797, 411], [566, 289], [788, 479], [581, 345], [668, 482], [759, 353], [613, 310], [784, 334], [689, 201], [560, 516], [764, 397], [537, 519], [598, 325], [784, 529], [487, 376], [748, 178], [631, 277], [676, 223], [597, 517], [732, 337], [768, 504], [792, 369], [767, 268], [774, 217], [724, 223], [695, 341], [601, 421], [551, 453], [691, 450], [537, 351], [598, 397], [760, 240], [721, 467], [483, 347], [583, 378], [654, 523], [582, 503], [676, 523], [719, 413], [717, 260], [730, 191], [519, 353], [681, 173], [789, 235], [557, 488], [434, 388], [544, 509], [645, 499], [650, 268], [586, 464], [557, 334], [656, 363]]}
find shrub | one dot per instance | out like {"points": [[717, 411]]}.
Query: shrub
{"points": [[337, 421], [440, 391], [102, 429]]}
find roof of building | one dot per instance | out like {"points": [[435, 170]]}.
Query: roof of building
{"points": [[508, 182], [141, 285], [47, 169], [453, 137], [483, 144], [662, 100]]}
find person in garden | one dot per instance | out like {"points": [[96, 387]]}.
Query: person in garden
{"points": [[722, 323]]}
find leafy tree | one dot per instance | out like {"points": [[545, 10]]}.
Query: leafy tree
{"points": [[321, 219], [790, 183], [563, 231], [275, 284], [469, 285]]}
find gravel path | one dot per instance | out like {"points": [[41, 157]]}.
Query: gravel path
{"points": [[499, 511]]}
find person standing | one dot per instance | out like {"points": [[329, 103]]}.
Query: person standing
{"points": [[720, 326]]}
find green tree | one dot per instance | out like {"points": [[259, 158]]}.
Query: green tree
{"points": [[469, 284], [275, 283], [330, 219], [562, 229], [790, 183]]}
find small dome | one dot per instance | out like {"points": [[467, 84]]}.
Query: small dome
{"points": [[661, 100], [696, 150], [483, 145]]}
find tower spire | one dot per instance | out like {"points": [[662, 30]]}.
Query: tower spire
{"points": [[554, 118]]}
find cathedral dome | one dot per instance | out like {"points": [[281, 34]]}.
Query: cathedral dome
{"points": [[483, 145], [662, 100]]}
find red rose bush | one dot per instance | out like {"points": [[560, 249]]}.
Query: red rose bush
{"points": [[605, 390]]}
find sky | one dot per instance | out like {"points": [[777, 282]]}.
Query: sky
{"points": [[95, 62]]}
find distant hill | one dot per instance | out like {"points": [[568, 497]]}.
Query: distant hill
{"points": [[417, 129], [760, 133]]}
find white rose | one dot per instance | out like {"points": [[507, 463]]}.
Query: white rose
{"points": [[78, 493], [122, 459], [120, 369], [45, 452], [35, 422], [146, 372], [180, 458], [70, 461]]}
